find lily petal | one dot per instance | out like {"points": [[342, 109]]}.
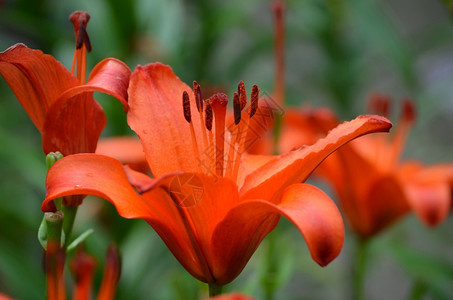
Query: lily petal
{"points": [[156, 115], [110, 76], [75, 120], [307, 207], [98, 175], [37, 79], [429, 190], [270, 179], [73, 125]]}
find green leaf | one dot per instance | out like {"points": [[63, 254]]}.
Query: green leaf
{"points": [[80, 239]]}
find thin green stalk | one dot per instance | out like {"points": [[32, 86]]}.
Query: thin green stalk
{"points": [[214, 290], [360, 264], [271, 268], [70, 213]]}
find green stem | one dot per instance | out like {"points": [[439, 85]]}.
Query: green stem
{"points": [[70, 213], [360, 268], [418, 290], [271, 268], [53, 222], [214, 290]]}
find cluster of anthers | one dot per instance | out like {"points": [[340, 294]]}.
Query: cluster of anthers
{"points": [[215, 159]]}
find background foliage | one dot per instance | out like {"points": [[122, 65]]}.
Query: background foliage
{"points": [[337, 52]]}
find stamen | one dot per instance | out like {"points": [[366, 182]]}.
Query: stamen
{"points": [[242, 94], [408, 111], [209, 116], [199, 101], [237, 108], [243, 130], [219, 104], [380, 104], [186, 107], [254, 100], [403, 129], [198, 96], [211, 152], [188, 117], [80, 21]]}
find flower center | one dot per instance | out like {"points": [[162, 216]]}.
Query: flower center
{"points": [[215, 159], [80, 21]]}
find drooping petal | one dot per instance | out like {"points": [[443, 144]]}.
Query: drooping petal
{"points": [[428, 190], [37, 79], [307, 207], [270, 179], [98, 175], [109, 76], [156, 115]]}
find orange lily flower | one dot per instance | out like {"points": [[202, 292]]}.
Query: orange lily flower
{"points": [[375, 187], [59, 102], [211, 203]]}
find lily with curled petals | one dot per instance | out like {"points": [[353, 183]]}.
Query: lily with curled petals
{"points": [[210, 203], [376, 187], [59, 102]]}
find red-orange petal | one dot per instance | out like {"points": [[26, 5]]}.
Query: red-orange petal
{"points": [[98, 175], [307, 207], [156, 115], [110, 76], [37, 79], [73, 125], [268, 181], [428, 191], [75, 120]]}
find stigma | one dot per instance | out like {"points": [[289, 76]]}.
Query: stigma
{"points": [[220, 147]]}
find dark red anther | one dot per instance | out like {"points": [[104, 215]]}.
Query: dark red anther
{"points": [[236, 108], [408, 111], [80, 21], [254, 100], [186, 106], [209, 116], [242, 94], [380, 104], [198, 96]]}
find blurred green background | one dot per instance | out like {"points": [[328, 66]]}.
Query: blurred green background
{"points": [[337, 53]]}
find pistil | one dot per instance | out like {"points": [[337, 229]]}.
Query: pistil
{"points": [[219, 104]]}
